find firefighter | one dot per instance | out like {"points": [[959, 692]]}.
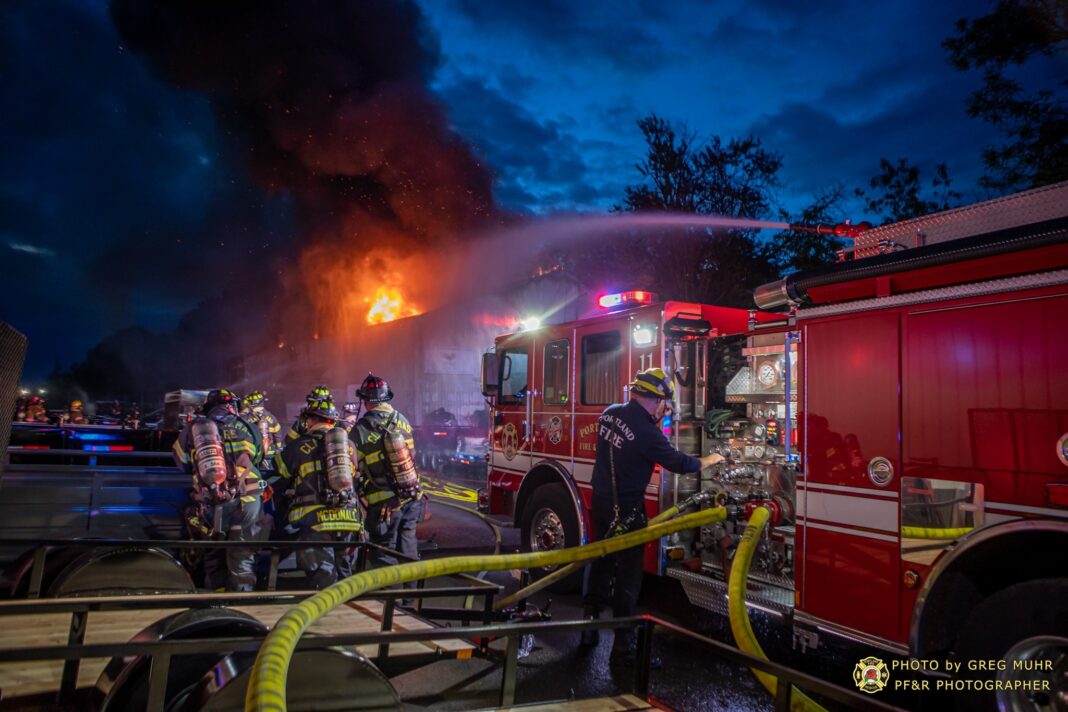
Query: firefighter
{"points": [[35, 410], [222, 452], [317, 394], [318, 475], [351, 415], [270, 429], [630, 443], [76, 413], [385, 455]]}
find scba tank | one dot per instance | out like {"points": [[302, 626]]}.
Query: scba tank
{"points": [[339, 474], [401, 462], [208, 452]]}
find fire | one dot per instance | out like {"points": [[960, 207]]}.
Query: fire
{"points": [[387, 305]]}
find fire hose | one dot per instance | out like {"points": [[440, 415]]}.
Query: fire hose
{"points": [[739, 615], [934, 532], [267, 686], [565, 571]]}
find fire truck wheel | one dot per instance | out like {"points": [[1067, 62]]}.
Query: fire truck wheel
{"points": [[550, 522], [1027, 624]]}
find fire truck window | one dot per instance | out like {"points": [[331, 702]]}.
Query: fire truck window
{"points": [[600, 368], [513, 377], [556, 353]]}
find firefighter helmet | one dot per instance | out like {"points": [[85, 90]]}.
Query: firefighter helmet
{"points": [[375, 390], [654, 383], [221, 396], [255, 399], [324, 408], [318, 393], [352, 408], [76, 405]]}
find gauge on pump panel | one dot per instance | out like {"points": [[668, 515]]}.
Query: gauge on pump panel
{"points": [[758, 452], [759, 430], [767, 374]]}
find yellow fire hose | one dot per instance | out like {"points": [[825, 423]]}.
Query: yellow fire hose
{"points": [[934, 533], [739, 616], [267, 686], [565, 571]]}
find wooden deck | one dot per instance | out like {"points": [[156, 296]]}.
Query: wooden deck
{"points": [[33, 677]]}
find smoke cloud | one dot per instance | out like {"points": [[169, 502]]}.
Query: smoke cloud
{"points": [[328, 102]]}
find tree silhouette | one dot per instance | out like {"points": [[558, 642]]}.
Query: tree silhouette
{"points": [[1035, 124]]}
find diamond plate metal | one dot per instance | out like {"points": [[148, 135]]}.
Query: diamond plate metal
{"points": [[711, 594], [12, 354], [976, 289], [1029, 207]]}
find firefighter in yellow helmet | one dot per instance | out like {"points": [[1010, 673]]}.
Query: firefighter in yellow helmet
{"points": [[385, 454], [317, 473], [76, 413], [223, 453], [630, 444], [255, 412], [316, 394]]}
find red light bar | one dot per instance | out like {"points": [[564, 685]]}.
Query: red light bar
{"points": [[607, 301]]}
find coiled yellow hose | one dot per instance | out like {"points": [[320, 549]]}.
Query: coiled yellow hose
{"points": [[739, 615], [267, 686]]}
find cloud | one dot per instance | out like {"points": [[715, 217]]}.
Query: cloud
{"points": [[578, 31], [540, 163], [31, 249]]}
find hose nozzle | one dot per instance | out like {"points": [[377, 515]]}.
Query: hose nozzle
{"points": [[842, 229]]}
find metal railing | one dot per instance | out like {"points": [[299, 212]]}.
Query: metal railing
{"points": [[161, 653]]}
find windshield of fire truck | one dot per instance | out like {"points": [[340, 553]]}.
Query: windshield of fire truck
{"points": [[513, 376]]}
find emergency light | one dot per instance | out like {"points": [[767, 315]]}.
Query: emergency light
{"points": [[607, 301]]}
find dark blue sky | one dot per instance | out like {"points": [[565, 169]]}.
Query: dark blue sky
{"points": [[125, 201]]}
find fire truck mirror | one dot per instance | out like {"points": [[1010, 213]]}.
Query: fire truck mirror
{"points": [[491, 371]]}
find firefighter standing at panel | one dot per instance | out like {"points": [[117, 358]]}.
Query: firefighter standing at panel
{"points": [[318, 473], [300, 424], [256, 413], [630, 444], [222, 452], [385, 454]]}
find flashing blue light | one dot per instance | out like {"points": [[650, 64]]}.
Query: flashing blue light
{"points": [[95, 437]]}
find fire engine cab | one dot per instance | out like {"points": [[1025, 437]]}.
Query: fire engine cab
{"points": [[903, 414]]}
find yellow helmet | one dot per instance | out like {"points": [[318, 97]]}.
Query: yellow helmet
{"points": [[652, 382], [75, 404]]}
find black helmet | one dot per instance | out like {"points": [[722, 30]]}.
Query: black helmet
{"points": [[352, 408], [324, 408], [375, 390], [318, 393], [221, 396]]}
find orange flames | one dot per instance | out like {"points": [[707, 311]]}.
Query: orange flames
{"points": [[388, 304]]}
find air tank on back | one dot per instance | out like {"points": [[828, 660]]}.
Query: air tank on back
{"points": [[338, 463], [208, 452]]}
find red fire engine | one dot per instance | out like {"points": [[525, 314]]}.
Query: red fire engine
{"points": [[904, 415]]}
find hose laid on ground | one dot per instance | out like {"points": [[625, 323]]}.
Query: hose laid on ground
{"points": [[739, 615], [267, 686], [934, 532], [565, 571]]}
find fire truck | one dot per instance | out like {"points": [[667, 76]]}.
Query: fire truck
{"points": [[902, 413]]}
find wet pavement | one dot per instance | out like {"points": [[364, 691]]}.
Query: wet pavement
{"points": [[692, 677]]}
